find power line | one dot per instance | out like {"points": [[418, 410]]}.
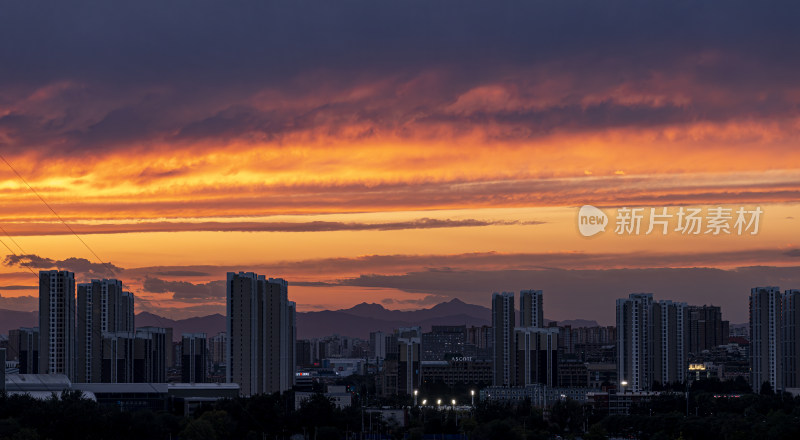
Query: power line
{"points": [[18, 246], [15, 254], [13, 241], [107, 266]]}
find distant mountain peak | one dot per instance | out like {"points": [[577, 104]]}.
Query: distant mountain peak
{"points": [[365, 306], [452, 302]]}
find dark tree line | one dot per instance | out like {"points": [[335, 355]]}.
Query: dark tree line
{"points": [[749, 416]]}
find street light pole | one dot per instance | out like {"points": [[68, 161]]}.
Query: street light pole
{"points": [[472, 394]]}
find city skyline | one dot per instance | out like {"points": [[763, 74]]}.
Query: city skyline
{"points": [[523, 308], [461, 219]]}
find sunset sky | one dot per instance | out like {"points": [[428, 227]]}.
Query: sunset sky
{"points": [[397, 152]]}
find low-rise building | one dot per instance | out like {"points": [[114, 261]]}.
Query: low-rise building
{"points": [[461, 370], [539, 395], [613, 403]]}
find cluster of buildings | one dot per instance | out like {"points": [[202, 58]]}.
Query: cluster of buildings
{"points": [[87, 341], [656, 338], [656, 344], [261, 334], [87, 335]]}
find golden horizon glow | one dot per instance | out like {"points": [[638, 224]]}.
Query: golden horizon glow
{"points": [[460, 183]]}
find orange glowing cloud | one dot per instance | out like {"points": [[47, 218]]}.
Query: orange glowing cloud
{"points": [[360, 150]]}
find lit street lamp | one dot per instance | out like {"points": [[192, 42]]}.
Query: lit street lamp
{"points": [[472, 394], [624, 384], [415, 397]]}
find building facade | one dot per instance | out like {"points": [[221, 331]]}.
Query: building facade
{"points": [[457, 371], [194, 362], [118, 358], [261, 350], [216, 347], [668, 341], [408, 365], [23, 346], [103, 307], [651, 342], [790, 338], [531, 310], [503, 345], [150, 355], [377, 344], [57, 323], [443, 341], [765, 331], [536, 356], [633, 344], [706, 329]]}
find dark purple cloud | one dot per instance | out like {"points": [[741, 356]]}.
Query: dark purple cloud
{"points": [[182, 273], [184, 290], [80, 266], [37, 229], [20, 303], [148, 71]]}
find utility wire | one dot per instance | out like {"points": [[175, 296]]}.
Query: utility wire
{"points": [[12, 240], [106, 265], [15, 254]]}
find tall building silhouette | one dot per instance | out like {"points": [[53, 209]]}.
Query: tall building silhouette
{"points": [[408, 365], [103, 307], [531, 312], [261, 331], [633, 342], [790, 338], [651, 341], [194, 352], [765, 330], [377, 344], [3, 370], [503, 356], [668, 338], [57, 323]]}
